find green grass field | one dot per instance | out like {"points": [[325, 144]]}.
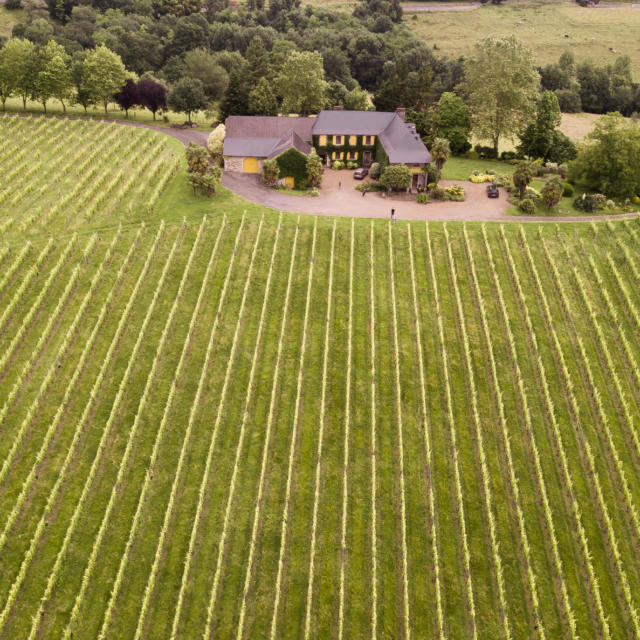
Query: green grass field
{"points": [[8, 19], [256, 425], [548, 28]]}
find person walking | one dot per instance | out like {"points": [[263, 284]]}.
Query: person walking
{"points": [[364, 191], [393, 216], [339, 185]]}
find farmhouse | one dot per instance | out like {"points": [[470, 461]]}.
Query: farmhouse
{"points": [[361, 137]]}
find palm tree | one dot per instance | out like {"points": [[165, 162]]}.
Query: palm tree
{"points": [[440, 152]]}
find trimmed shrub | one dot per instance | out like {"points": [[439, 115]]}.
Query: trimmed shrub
{"points": [[527, 205], [567, 191], [422, 198], [375, 170], [590, 202], [338, 165], [508, 156], [485, 152]]}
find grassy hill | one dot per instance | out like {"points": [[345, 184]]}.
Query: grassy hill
{"points": [[548, 28], [261, 425]]}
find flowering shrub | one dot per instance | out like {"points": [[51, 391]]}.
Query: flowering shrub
{"points": [[477, 177], [455, 192], [337, 165]]}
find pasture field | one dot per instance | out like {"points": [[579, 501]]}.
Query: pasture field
{"points": [[548, 28], [253, 425]]}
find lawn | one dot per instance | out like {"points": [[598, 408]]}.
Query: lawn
{"points": [[219, 421], [460, 168], [8, 19], [548, 28]]}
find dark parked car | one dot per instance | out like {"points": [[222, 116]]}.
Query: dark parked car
{"points": [[360, 173], [492, 191]]}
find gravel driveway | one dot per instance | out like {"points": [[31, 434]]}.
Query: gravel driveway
{"points": [[338, 197]]}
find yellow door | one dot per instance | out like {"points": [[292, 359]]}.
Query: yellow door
{"points": [[250, 165], [289, 182]]}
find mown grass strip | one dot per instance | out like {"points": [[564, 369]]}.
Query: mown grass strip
{"points": [[374, 453], [400, 428], [452, 431], [292, 448], [426, 426], [257, 513], [321, 423], [347, 428]]}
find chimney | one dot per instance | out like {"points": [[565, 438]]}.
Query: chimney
{"points": [[401, 111], [338, 107]]}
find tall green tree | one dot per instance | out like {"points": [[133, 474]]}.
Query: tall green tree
{"points": [[608, 160], [14, 65], [301, 83], [450, 120], [538, 138], [235, 101], [54, 77], [202, 65], [396, 176], [501, 84], [262, 99], [103, 75], [187, 96], [258, 60]]}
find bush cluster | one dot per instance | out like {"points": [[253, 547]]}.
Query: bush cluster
{"points": [[590, 202]]}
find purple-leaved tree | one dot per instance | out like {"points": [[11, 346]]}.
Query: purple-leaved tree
{"points": [[152, 95]]}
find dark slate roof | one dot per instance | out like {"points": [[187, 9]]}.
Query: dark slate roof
{"points": [[402, 144], [356, 123], [259, 135], [290, 140]]}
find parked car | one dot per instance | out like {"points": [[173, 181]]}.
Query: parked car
{"points": [[361, 173], [493, 191]]}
